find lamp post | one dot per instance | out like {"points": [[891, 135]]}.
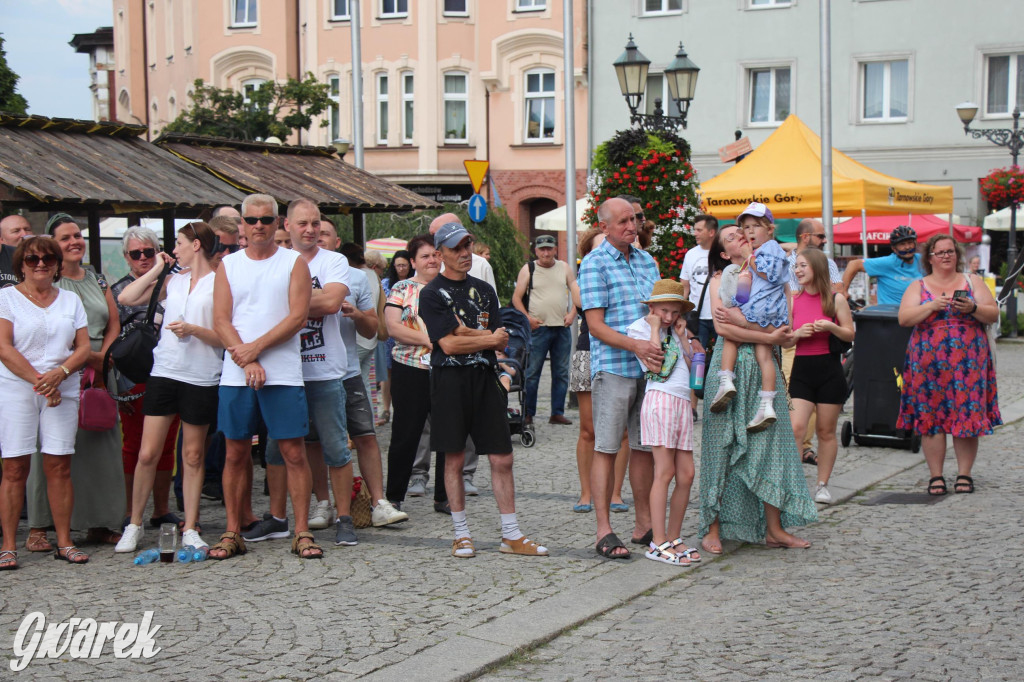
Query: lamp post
{"points": [[1013, 139], [631, 68]]}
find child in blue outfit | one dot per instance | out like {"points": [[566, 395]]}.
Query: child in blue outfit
{"points": [[767, 307]]}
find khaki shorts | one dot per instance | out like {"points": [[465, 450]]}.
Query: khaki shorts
{"points": [[616, 406]]}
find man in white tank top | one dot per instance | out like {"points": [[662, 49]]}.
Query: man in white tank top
{"points": [[261, 302]]}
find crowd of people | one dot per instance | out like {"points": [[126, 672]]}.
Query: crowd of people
{"points": [[269, 327]]}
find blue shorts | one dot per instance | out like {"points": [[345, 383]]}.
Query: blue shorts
{"points": [[283, 409], [325, 402]]}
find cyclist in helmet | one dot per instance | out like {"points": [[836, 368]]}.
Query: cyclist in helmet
{"points": [[894, 272]]}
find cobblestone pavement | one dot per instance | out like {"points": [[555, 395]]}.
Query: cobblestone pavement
{"points": [[894, 586]]}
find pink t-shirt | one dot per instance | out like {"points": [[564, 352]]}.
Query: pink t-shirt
{"points": [[807, 308]]}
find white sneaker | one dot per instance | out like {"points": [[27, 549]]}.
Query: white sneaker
{"points": [[130, 537], [321, 515], [822, 494], [726, 391], [384, 514], [191, 537], [764, 418], [471, 489]]}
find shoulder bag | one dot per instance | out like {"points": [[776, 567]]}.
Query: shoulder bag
{"points": [[836, 345], [97, 411], [132, 350]]}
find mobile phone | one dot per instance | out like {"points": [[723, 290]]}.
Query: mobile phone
{"points": [[960, 293]]}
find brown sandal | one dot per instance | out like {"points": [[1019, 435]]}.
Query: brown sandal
{"points": [[102, 536], [310, 546], [231, 544], [38, 542]]}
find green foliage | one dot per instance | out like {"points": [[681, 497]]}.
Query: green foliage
{"points": [[1004, 323], [272, 109], [10, 100], [655, 167], [508, 246]]}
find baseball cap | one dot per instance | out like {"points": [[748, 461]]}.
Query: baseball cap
{"points": [[546, 241], [450, 235], [758, 211]]}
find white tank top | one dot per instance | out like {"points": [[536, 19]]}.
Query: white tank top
{"points": [[259, 292], [189, 360]]}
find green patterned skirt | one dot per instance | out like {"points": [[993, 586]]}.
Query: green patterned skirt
{"points": [[740, 471]]}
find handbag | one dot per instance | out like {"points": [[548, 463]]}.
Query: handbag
{"points": [[693, 317], [132, 350], [835, 344], [362, 509], [97, 411], [382, 326]]}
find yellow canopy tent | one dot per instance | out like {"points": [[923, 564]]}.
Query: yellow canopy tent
{"points": [[784, 173]]}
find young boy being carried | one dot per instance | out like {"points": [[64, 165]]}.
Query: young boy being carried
{"points": [[666, 420]]}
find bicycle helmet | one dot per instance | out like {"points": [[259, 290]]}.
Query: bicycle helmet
{"points": [[902, 233]]}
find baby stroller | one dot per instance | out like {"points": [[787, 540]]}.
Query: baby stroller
{"points": [[518, 357]]}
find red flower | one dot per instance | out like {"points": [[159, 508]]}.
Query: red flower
{"points": [[629, 163]]}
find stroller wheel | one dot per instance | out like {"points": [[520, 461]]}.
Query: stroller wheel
{"points": [[527, 437]]}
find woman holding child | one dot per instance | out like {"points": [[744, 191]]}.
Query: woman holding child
{"points": [[751, 482]]}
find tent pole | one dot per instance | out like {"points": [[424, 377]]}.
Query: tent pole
{"points": [[864, 230], [95, 246], [826, 123], [357, 84], [570, 133]]}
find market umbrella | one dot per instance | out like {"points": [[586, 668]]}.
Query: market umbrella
{"points": [[1000, 220], [880, 227], [387, 245], [554, 220]]}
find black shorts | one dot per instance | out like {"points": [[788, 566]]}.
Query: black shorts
{"points": [[197, 405], [468, 401], [818, 379]]}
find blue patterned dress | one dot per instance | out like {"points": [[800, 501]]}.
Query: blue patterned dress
{"points": [[740, 471], [949, 382]]}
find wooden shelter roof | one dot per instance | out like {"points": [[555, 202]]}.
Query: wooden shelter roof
{"points": [[288, 172], [75, 165]]}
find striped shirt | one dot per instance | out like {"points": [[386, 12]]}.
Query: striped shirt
{"points": [[608, 280]]}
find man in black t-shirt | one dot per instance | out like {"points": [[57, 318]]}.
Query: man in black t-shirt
{"points": [[462, 319], [7, 276]]}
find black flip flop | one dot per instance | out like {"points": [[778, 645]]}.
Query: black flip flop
{"points": [[644, 540], [607, 545]]}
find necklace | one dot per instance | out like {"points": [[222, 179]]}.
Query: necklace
{"points": [[37, 301]]}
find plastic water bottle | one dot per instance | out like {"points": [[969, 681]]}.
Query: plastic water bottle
{"points": [[147, 557], [743, 283], [697, 372], [184, 555], [200, 553]]}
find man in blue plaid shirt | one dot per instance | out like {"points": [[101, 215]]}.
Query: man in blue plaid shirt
{"points": [[615, 278]]}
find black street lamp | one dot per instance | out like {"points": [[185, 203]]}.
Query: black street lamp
{"points": [[1013, 139], [631, 68]]}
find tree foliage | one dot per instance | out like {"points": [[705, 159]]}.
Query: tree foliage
{"points": [[508, 246], [10, 100], [272, 109]]}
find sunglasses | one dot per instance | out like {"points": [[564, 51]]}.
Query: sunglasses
{"points": [[222, 247], [640, 217], [136, 254], [266, 220], [47, 259]]}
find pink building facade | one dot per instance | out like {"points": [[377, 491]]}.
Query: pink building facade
{"points": [[443, 81]]}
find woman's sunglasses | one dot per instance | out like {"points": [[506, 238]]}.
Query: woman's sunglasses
{"points": [[136, 254], [266, 220], [47, 259]]}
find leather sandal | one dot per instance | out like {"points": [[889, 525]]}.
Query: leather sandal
{"points": [[524, 546], [464, 545], [963, 484], [937, 486], [301, 549], [38, 542], [71, 554], [231, 543]]}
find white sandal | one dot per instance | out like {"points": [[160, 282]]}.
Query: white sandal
{"points": [[661, 553]]}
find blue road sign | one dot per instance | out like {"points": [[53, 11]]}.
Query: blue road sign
{"points": [[477, 208]]}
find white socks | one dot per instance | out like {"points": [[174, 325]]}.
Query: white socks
{"points": [[726, 374], [766, 396], [510, 527], [460, 523]]}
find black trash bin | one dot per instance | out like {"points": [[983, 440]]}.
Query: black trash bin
{"points": [[879, 350]]}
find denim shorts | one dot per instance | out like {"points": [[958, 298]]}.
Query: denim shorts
{"points": [[325, 401], [283, 409], [358, 410], [616, 406]]}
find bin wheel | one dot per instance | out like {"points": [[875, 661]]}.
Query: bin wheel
{"points": [[847, 434], [527, 438], [915, 443]]}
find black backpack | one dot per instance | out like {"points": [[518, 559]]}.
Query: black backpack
{"points": [[132, 350]]}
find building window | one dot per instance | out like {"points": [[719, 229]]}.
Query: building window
{"points": [[334, 86], [243, 12], [540, 106], [249, 88], [885, 90], [662, 6], [456, 7], [340, 10], [770, 3], [657, 87], [530, 5], [394, 8], [407, 107], [1004, 83], [769, 95], [382, 108], [456, 103]]}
